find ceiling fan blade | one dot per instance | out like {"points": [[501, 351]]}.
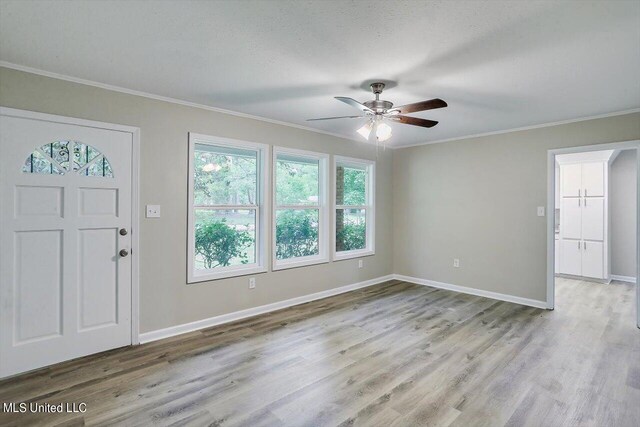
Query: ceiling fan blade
{"points": [[339, 117], [355, 104], [421, 106], [413, 121]]}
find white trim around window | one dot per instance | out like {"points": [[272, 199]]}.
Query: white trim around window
{"points": [[322, 206], [369, 207], [260, 207]]}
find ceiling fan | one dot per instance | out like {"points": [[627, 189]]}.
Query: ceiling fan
{"points": [[377, 111]]}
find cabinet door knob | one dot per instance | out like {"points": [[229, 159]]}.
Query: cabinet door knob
{"points": [[123, 231], [124, 253]]}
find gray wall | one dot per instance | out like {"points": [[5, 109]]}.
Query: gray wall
{"points": [[166, 299], [623, 181], [475, 199]]}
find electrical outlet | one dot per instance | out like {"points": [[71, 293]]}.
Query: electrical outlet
{"points": [[360, 263], [153, 211], [540, 210], [456, 262], [252, 282]]}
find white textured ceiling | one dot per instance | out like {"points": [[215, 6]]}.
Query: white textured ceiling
{"points": [[499, 65]]}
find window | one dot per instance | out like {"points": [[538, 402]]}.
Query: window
{"points": [[300, 208], [60, 157], [226, 208], [354, 208]]}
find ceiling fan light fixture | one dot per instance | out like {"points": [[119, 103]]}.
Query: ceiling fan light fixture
{"points": [[365, 130], [383, 132]]}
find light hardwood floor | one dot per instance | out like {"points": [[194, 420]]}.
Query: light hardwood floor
{"points": [[394, 354]]}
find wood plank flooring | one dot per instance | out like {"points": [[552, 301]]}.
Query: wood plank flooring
{"points": [[394, 354]]}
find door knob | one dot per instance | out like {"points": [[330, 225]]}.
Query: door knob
{"points": [[123, 232], [124, 252]]}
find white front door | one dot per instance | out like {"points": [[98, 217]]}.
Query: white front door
{"points": [[65, 238]]}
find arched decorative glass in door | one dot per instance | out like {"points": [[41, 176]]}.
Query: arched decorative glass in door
{"points": [[60, 157]]}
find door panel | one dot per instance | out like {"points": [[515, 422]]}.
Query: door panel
{"points": [[38, 285], [98, 277], [571, 180], [571, 257], [593, 179], [98, 201], [593, 260], [38, 201], [571, 221], [593, 218], [65, 292]]}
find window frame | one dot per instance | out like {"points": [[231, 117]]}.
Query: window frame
{"points": [[322, 207], [261, 208], [369, 207]]}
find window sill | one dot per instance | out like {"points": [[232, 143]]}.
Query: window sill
{"points": [[298, 262], [339, 256], [208, 276]]}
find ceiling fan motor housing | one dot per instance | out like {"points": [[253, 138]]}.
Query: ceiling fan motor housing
{"points": [[378, 105]]}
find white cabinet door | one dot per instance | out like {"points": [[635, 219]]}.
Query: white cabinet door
{"points": [[571, 180], [593, 179], [571, 257], [571, 221], [593, 218], [593, 260], [65, 280]]}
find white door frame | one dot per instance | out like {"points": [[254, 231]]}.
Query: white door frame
{"points": [[551, 169], [135, 196]]}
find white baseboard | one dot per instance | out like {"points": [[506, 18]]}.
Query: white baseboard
{"points": [[242, 314], [629, 279], [472, 291]]}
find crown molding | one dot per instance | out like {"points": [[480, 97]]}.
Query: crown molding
{"points": [[120, 89], [518, 129], [128, 91]]}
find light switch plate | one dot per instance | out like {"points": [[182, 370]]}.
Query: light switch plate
{"points": [[153, 211], [540, 210]]}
